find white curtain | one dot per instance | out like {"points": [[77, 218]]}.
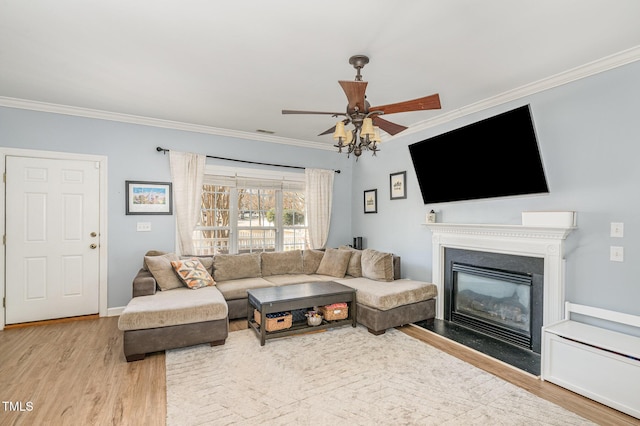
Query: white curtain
{"points": [[319, 197], [187, 174]]}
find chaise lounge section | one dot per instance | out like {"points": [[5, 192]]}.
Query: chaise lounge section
{"points": [[172, 315], [175, 319]]}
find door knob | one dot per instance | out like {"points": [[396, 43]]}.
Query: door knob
{"points": [[93, 234], [93, 246]]}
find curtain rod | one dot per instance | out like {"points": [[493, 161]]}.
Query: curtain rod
{"points": [[164, 151]]}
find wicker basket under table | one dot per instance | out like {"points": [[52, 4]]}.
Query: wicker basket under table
{"points": [[334, 314], [274, 324]]}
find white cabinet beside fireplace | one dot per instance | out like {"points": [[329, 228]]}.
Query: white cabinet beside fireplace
{"points": [[598, 363]]}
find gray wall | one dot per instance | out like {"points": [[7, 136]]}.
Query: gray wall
{"points": [[132, 156], [589, 134]]}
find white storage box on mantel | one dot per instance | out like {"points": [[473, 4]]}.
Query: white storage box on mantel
{"points": [[601, 364], [549, 219]]}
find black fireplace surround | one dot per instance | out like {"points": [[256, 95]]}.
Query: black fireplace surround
{"points": [[499, 295]]}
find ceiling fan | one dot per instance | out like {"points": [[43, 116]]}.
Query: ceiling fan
{"points": [[365, 118]]}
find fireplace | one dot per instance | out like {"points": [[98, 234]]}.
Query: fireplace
{"points": [[546, 243], [500, 295], [501, 248]]}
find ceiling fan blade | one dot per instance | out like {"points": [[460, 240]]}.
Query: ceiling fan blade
{"points": [[355, 93], [333, 129], [328, 131], [387, 126], [428, 102], [291, 111]]}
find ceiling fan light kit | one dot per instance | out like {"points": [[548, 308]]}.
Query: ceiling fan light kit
{"points": [[366, 139], [366, 120]]}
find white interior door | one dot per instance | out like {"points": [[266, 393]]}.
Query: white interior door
{"points": [[52, 238]]}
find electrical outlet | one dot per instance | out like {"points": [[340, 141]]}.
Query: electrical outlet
{"points": [[616, 254], [617, 229], [143, 226]]}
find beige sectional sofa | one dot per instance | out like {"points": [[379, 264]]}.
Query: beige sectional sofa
{"points": [[165, 314]]}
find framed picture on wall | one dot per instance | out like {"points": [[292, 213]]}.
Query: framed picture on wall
{"points": [[371, 201], [398, 185], [148, 197]]}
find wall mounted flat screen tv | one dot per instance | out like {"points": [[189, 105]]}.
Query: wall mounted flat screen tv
{"points": [[495, 157]]}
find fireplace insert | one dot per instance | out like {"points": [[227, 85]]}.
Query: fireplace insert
{"points": [[493, 301], [499, 295]]}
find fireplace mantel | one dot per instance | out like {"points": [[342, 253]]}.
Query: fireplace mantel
{"points": [[544, 242]]}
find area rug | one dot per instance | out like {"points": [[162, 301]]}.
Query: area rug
{"points": [[343, 376]]}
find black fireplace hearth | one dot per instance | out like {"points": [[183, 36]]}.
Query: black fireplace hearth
{"points": [[516, 356]]}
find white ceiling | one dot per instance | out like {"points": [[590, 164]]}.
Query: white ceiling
{"points": [[234, 65]]}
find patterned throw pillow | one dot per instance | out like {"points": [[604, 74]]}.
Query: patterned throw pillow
{"points": [[192, 273]]}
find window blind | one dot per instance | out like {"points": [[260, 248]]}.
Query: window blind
{"points": [[252, 182]]}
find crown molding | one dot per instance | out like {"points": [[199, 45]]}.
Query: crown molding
{"points": [[592, 68], [601, 65], [153, 122]]}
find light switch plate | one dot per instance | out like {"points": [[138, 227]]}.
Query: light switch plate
{"points": [[617, 254], [617, 229], [143, 226]]}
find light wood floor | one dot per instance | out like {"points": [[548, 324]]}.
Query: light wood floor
{"points": [[75, 374]]}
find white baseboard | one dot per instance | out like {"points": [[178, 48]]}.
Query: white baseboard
{"points": [[115, 312]]}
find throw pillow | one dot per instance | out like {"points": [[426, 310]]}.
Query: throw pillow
{"points": [[161, 269], [236, 266], [282, 262], [192, 273], [311, 260], [151, 253], [355, 264], [206, 260], [334, 263], [377, 265]]}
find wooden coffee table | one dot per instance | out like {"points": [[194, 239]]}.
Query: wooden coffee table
{"points": [[298, 296]]}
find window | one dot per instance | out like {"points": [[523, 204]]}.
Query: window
{"points": [[293, 220], [251, 214], [255, 231], [212, 234]]}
